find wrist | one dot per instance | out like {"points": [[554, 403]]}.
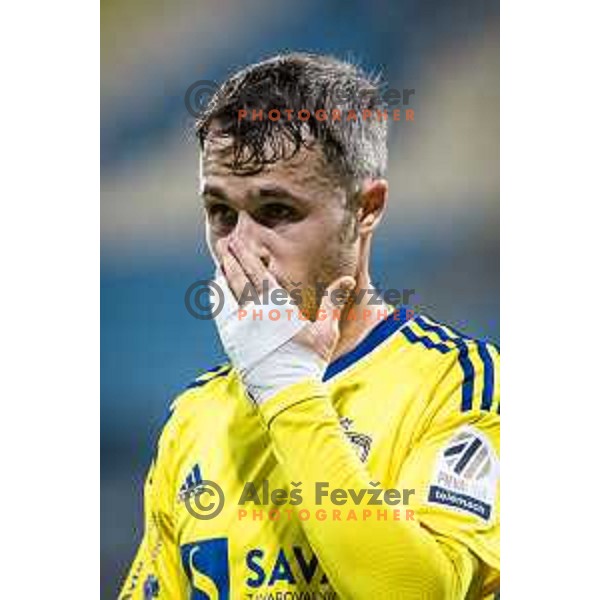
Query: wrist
{"points": [[287, 366]]}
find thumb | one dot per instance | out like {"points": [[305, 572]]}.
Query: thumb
{"points": [[324, 332], [334, 299]]}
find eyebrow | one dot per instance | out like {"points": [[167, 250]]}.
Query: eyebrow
{"points": [[274, 191], [264, 191], [213, 190]]}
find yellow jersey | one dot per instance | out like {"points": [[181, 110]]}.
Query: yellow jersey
{"points": [[381, 481]]}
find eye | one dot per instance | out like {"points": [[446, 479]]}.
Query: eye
{"points": [[221, 217], [275, 213]]}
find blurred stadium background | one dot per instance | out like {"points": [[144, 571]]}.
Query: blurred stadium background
{"points": [[441, 234]]}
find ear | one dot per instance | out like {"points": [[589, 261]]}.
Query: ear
{"points": [[372, 203]]}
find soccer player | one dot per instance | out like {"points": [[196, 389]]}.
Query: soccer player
{"points": [[340, 457]]}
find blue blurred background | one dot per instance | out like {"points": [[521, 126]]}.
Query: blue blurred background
{"points": [[440, 237]]}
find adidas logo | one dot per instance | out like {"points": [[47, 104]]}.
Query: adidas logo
{"points": [[192, 483]]}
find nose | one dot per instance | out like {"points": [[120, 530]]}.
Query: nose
{"points": [[253, 236]]}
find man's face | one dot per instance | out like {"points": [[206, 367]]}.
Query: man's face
{"points": [[293, 215]]}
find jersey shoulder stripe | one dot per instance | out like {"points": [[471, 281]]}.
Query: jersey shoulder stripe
{"points": [[207, 376], [489, 353], [460, 343], [414, 338], [488, 375], [477, 359], [203, 379]]}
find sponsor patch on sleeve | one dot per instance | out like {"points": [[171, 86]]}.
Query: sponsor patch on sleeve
{"points": [[466, 474]]}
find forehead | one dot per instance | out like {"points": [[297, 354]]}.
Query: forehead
{"points": [[306, 171]]}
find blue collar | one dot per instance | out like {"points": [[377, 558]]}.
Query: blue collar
{"points": [[381, 332]]}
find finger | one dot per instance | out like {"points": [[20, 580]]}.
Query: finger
{"points": [[325, 330], [337, 295], [234, 274], [254, 268], [217, 251]]}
